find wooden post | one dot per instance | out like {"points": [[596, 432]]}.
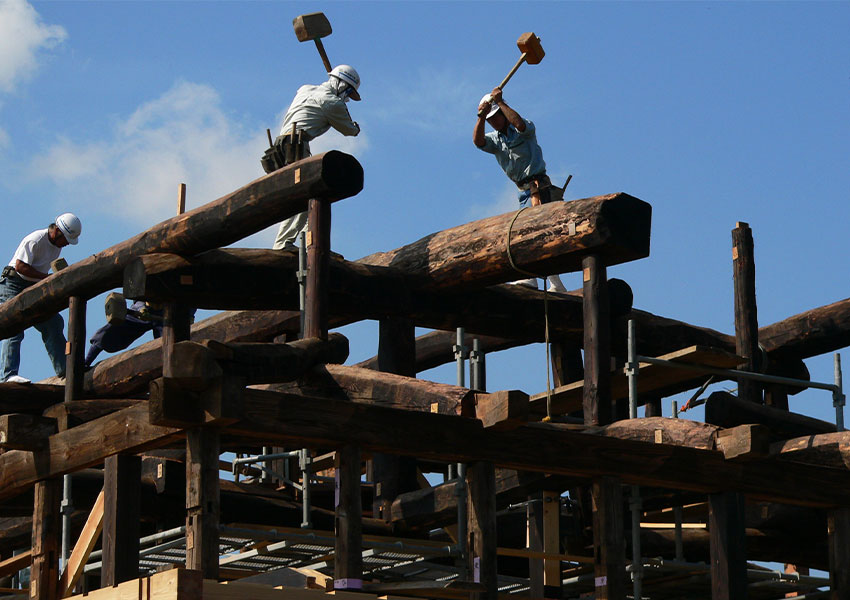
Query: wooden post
{"points": [[652, 407], [567, 365], [75, 348], [609, 546], [392, 474], [318, 255], [746, 313], [551, 544], [44, 575], [726, 523], [122, 487], [534, 536], [202, 500], [481, 530], [348, 527], [597, 343], [838, 531]]}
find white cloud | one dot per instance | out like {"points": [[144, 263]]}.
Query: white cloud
{"points": [[506, 201], [185, 135], [22, 36]]}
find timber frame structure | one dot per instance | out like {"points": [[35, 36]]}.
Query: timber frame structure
{"points": [[329, 497]]}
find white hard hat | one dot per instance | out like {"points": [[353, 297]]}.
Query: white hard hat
{"points": [[494, 108], [348, 75], [70, 226]]}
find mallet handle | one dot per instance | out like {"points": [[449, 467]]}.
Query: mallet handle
{"points": [[511, 74], [321, 48]]}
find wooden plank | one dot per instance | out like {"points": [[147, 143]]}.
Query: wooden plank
{"points": [[566, 399], [596, 388], [726, 410], [71, 414], [333, 175], [85, 544], [29, 398], [609, 546], [15, 563], [502, 410], [746, 310], [25, 432], [728, 546], [46, 532], [122, 476], [551, 238], [174, 584]]}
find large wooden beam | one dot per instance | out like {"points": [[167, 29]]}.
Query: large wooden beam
{"points": [[726, 410], [122, 484], [551, 238], [728, 546], [810, 333], [332, 175], [276, 417]]}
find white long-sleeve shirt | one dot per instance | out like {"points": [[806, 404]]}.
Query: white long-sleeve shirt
{"points": [[315, 109]]}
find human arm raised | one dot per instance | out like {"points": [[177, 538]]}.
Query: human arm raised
{"points": [[478, 131], [510, 114]]}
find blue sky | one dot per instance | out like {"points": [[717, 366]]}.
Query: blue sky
{"points": [[712, 112]]}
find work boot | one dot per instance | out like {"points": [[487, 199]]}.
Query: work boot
{"points": [[555, 284], [531, 282]]}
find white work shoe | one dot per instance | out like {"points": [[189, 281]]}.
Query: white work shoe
{"points": [[18, 379], [531, 282], [555, 284]]}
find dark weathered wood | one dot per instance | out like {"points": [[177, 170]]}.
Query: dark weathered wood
{"points": [[609, 546], [71, 414], [567, 363], [551, 238], [332, 175], [75, 348], [175, 328], [743, 442], [348, 559], [596, 402], [275, 417], [552, 543], [810, 333], [728, 546], [84, 446], [318, 256], [29, 398], [481, 527], [660, 430], [726, 410], [196, 364], [122, 484], [838, 525], [827, 449], [746, 311], [46, 533], [25, 432], [385, 389], [534, 543], [392, 474], [203, 503]]}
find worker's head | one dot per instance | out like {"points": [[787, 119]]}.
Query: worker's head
{"points": [[68, 228], [494, 115], [346, 81]]}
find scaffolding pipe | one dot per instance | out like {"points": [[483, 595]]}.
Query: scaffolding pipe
{"points": [[460, 354], [632, 370], [838, 394], [301, 275], [305, 461], [634, 501]]}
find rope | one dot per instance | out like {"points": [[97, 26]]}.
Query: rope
{"points": [[545, 316]]}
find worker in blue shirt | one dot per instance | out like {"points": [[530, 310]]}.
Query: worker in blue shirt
{"points": [[513, 142]]}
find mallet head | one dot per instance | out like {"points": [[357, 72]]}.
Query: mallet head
{"points": [[312, 26], [115, 308], [529, 44]]}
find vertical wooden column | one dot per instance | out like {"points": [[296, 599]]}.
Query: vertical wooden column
{"points": [[567, 364], [75, 348], [652, 406], [552, 543], [348, 527], [727, 540], [481, 529], [838, 531], [202, 500], [534, 542], [746, 313], [318, 258], [122, 487], [46, 530], [392, 474], [597, 343], [609, 546]]}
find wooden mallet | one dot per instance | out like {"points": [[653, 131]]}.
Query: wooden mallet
{"points": [[314, 26], [532, 53]]}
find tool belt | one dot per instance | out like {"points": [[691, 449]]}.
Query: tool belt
{"points": [[9, 272], [286, 150], [541, 185]]}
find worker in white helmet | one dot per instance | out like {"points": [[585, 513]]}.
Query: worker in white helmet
{"points": [[514, 144], [30, 264], [315, 109]]}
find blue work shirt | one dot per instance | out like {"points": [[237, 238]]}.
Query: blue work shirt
{"points": [[517, 153]]}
